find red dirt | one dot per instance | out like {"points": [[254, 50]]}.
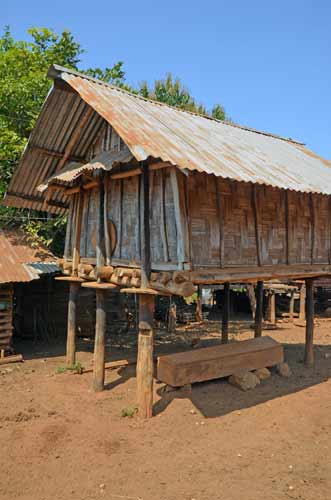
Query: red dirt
{"points": [[61, 441]]}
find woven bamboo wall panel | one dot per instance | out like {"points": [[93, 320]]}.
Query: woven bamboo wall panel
{"points": [[203, 220], [321, 229], [271, 225], [300, 220], [238, 224]]}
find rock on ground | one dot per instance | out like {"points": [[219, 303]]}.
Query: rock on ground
{"points": [[283, 370], [262, 373], [244, 380]]}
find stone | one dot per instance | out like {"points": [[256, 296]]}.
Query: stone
{"points": [[262, 373], [244, 380], [283, 370]]}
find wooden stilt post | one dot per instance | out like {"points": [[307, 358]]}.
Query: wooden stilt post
{"points": [[302, 315], [145, 366], [99, 343], [259, 309], [72, 323], [199, 304], [226, 313], [272, 307], [309, 348], [292, 306]]}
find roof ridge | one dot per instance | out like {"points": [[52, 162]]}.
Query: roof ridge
{"points": [[55, 72]]}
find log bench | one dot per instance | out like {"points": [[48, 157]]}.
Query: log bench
{"points": [[209, 363]]}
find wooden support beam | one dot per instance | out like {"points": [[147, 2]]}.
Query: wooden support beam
{"points": [[312, 224], [272, 306], [220, 221], [259, 309], [145, 229], [287, 227], [72, 323], [292, 306], [100, 247], [199, 304], [57, 154], [71, 144], [256, 224], [145, 356], [309, 347], [302, 315], [99, 342], [78, 230], [226, 314]]}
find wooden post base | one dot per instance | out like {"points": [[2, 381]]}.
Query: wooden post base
{"points": [[145, 366], [72, 323]]}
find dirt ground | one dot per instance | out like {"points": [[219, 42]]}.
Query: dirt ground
{"points": [[59, 440]]}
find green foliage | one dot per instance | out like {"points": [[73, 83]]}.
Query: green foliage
{"points": [[129, 411], [77, 368], [23, 88], [171, 91]]}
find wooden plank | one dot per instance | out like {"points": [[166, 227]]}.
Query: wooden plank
{"points": [[145, 229], [108, 242], [128, 173], [100, 253], [78, 229], [256, 224], [287, 228], [163, 221], [218, 361], [312, 241], [180, 215], [220, 221]]}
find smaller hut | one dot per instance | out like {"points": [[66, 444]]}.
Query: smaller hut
{"points": [[21, 261]]}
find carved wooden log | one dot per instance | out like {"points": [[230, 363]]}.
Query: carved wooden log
{"points": [[84, 270], [104, 272], [185, 289]]}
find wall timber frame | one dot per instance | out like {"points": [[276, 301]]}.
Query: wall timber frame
{"points": [[211, 229]]}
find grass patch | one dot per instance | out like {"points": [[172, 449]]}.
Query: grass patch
{"points": [[128, 412], [77, 368]]}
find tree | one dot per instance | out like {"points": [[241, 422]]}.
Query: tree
{"points": [[23, 88]]}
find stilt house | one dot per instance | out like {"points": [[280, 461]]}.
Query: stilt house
{"points": [[160, 200]]}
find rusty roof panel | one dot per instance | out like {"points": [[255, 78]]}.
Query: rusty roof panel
{"points": [[17, 255], [194, 142], [152, 129]]}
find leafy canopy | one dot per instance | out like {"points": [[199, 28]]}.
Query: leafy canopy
{"points": [[23, 88]]}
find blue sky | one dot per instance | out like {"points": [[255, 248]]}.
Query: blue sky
{"points": [[268, 63]]}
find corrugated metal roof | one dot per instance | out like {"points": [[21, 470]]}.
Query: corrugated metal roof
{"points": [[18, 256], [105, 161], [152, 129]]}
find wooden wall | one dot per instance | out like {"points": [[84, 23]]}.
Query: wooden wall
{"points": [[220, 223]]}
